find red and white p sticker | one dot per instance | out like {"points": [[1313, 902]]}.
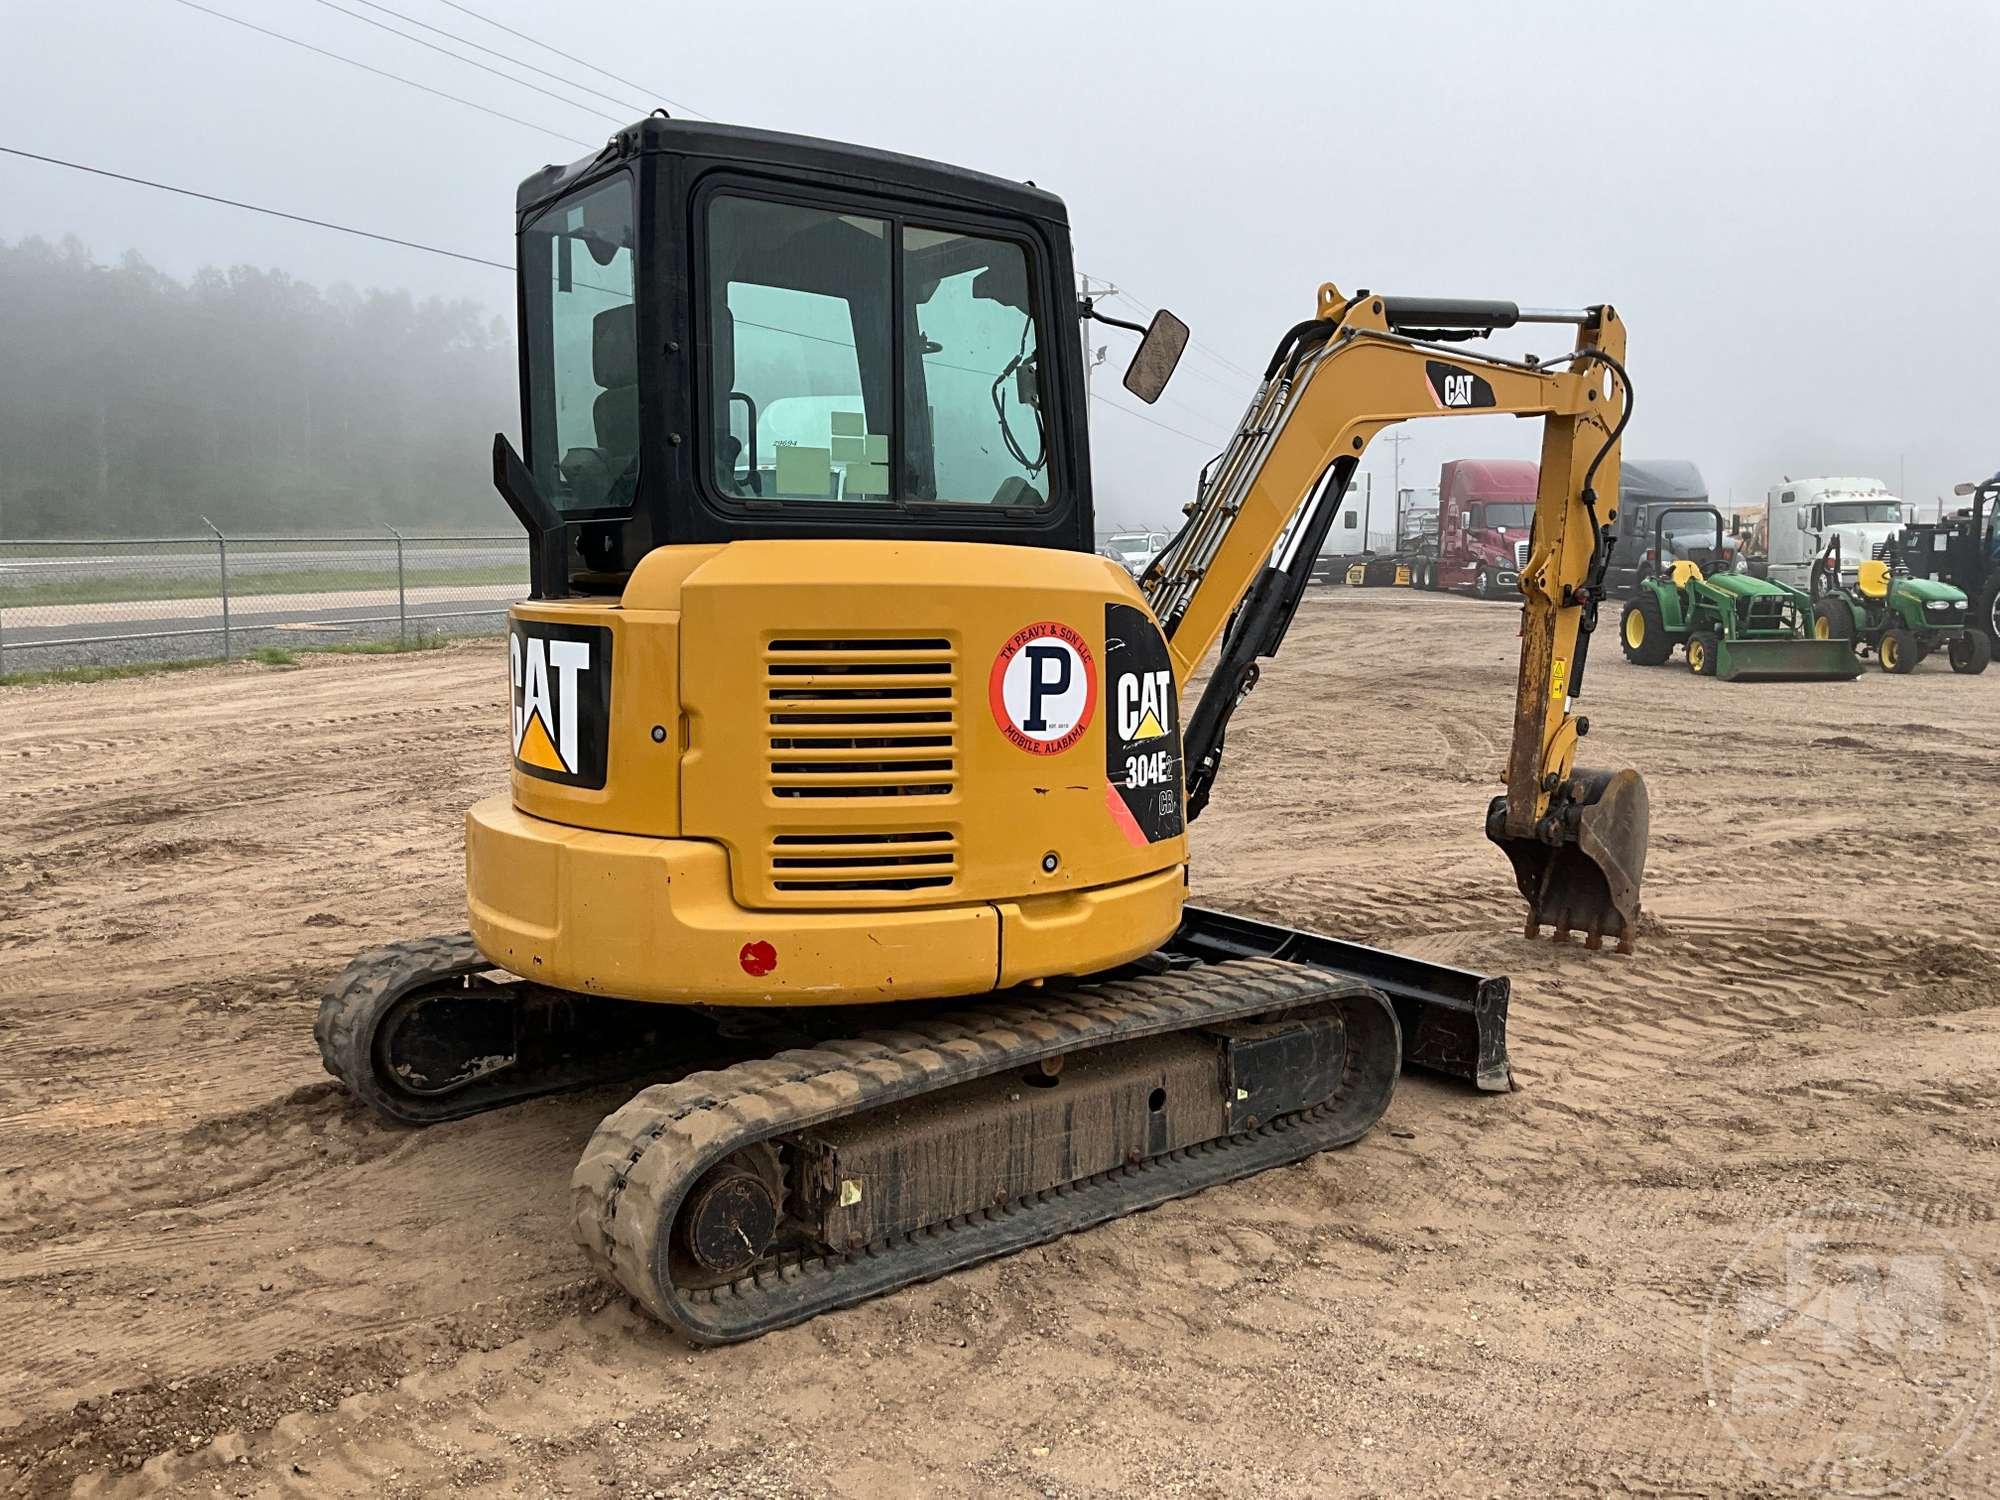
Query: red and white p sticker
{"points": [[1044, 688]]}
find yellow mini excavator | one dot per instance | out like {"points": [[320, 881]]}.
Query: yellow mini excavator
{"points": [[850, 787]]}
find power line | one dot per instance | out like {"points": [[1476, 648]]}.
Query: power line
{"points": [[478, 260], [571, 57], [470, 62], [1209, 350], [256, 208], [466, 41], [1139, 416], [1238, 373], [380, 72]]}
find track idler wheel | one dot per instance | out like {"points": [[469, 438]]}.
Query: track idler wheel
{"points": [[1580, 869], [727, 1222]]}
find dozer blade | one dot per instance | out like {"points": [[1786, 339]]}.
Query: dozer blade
{"points": [[1805, 658], [1580, 869], [1454, 1021]]}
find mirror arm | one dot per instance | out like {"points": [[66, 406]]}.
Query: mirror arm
{"points": [[1086, 308]]}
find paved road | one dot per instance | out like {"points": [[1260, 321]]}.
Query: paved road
{"points": [[184, 558], [170, 629]]}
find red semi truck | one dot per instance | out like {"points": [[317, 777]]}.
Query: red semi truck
{"points": [[1486, 508]]}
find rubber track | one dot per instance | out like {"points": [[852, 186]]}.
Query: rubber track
{"points": [[642, 1160], [368, 986]]}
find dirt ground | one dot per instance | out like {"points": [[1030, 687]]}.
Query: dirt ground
{"points": [[219, 1276]]}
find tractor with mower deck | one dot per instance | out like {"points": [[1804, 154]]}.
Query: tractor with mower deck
{"points": [[1731, 625]]}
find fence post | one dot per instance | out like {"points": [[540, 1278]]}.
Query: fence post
{"points": [[402, 609], [222, 567]]}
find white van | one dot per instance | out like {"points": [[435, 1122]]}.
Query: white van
{"points": [[1804, 516]]}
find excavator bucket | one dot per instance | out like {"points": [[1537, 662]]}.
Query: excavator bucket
{"points": [[1580, 869], [1777, 659]]}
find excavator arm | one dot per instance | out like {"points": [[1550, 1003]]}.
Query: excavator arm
{"points": [[1237, 569]]}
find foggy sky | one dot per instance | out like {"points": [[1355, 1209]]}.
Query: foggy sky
{"points": [[1791, 204]]}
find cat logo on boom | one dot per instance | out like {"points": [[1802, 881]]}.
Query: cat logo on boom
{"points": [[1455, 389], [562, 699]]}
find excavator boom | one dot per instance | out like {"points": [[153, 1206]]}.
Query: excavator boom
{"points": [[1238, 568]]}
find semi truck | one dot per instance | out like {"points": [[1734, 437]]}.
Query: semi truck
{"points": [[1671, 489], [1486, 508], [1807, 522]]}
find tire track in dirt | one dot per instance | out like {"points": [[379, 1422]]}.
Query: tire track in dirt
{"points": [[1506, 1291]]}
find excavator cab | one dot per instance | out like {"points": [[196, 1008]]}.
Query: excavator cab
{"points": [[730, 335]]}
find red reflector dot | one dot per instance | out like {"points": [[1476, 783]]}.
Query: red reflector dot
{"points": [[758, 959]]}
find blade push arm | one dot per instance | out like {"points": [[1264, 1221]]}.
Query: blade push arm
{"points": [[1366, 363]]}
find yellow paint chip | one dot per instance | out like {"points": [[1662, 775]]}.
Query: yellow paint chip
{"points": [[850, 1192]]}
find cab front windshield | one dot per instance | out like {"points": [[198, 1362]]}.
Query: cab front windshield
{"points": [[1861, 512], [1503, 516], [1686, 529], [582, 349]]}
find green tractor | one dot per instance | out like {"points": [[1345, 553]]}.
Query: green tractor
{"points": [[1733, 625], [1902, 619]]}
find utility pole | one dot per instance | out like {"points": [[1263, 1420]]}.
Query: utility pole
{"points": [[1091, 359], [1397, 438]]}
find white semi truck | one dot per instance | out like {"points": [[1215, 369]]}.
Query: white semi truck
{"points": [[1804, 518]]}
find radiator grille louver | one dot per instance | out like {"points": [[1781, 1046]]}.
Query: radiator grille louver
{"points": [[924, 860], [872, 718]]}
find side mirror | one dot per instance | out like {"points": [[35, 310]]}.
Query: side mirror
{"points": [[1964, 489], [1159, 352]]}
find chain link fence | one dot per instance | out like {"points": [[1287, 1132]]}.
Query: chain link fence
{"points": [[103, 602]]}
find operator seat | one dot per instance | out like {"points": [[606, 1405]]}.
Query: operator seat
{"points": [[614, 365], [1874, 579], [1686, 571], [595, 475]]}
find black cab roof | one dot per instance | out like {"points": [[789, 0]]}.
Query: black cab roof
{"points": [[742, 146]]}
